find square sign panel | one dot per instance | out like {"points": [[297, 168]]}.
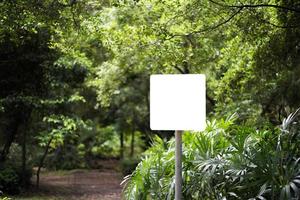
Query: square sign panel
{"points": [[177, 102]]}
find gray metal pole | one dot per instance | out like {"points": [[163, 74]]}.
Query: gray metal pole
{"points": [[178, 165]]}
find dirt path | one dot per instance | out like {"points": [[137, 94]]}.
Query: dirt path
{"points": [[101, 184]]}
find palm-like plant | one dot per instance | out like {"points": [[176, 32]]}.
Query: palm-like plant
{"points": [[225, 161]]}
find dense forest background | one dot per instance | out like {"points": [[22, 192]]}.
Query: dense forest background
{"points": [[74, 88]]}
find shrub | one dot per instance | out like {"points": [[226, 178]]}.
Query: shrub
{"points": [[65, 157], [9, 181], [128, 165], [13, 179], [5, 198], [226, 161], [85, 149]]}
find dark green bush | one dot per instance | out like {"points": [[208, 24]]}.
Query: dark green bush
{"points": [[4, 198], [65, 157], [128, 165], [9, 181], [13, 179]]}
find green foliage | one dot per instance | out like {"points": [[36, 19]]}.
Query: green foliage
{"points": [[75, 77], [105, 143], [5, 198], [38, 80], [128, 165], [59, 126], [226, 161], [9, 181], [204, 37], [81, 148], [12, 177]]}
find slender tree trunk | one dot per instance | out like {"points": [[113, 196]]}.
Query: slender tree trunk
{"points": [[147, 134], [6, 148], [132, 144], [121, 144], [23, 176], [42, 163], [12, 131]]}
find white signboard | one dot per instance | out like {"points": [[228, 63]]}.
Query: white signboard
{"points": [[177, 102]]}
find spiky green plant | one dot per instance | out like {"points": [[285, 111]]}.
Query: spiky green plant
{"points": [[226, 161]]}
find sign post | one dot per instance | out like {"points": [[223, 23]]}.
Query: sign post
{"points": [[177, 102], [178, 165]]}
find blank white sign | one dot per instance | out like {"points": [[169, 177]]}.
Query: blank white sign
{"points": [[177, 102]]}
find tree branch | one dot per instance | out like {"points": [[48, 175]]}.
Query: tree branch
{"points": [[278, 26], [256, 6], [213, 27], [220, 24], [239, 9], [179, 69]]}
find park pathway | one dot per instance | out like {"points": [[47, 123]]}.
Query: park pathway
{"points": [[102, 184]]}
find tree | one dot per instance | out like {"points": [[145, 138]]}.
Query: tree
{"points": [[204, 37], [37, 78]]}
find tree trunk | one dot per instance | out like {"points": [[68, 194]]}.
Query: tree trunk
{"points": [[42, 163], [12, 131], [121, 144], [5, 150], [23, 176], [132, 144]]}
